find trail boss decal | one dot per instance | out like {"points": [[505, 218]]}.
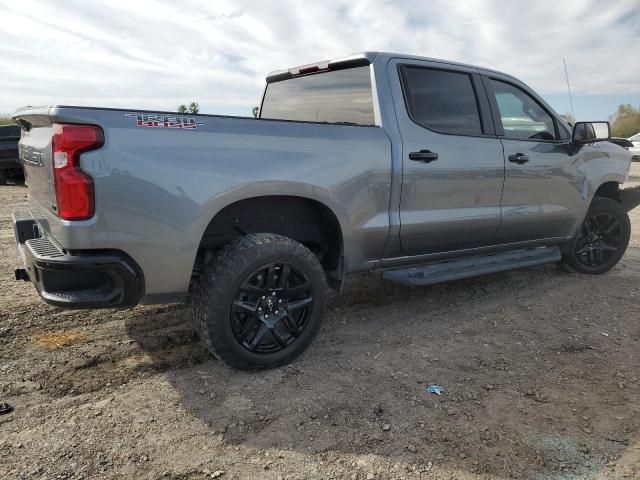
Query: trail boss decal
{"points": [[164, 121]]}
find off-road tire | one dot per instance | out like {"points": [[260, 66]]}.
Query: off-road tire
{"points": [[600, 205], [219, 283]]}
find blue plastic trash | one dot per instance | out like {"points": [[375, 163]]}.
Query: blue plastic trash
{"points": [[437, 389]]}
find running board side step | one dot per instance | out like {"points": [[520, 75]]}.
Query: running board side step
{"points": [[472, 266]]}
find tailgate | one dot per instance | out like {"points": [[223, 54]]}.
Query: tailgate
{"points": [[35, 155]]}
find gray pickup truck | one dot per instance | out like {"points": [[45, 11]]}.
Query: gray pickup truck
{"points": [[423, 169]]}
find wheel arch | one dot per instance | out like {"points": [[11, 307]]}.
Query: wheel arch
{"points": [[608, 189], [305, 219]]}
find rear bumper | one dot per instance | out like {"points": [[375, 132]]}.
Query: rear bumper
{"points": [[79, 279]]}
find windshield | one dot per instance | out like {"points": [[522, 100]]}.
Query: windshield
{"points": [[340, 96]]}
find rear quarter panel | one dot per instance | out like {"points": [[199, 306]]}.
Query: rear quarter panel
{"points": [[157, 189]]}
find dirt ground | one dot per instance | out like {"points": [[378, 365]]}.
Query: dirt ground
{"points": [[540, 371]]}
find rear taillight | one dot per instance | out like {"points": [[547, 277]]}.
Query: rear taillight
{"points": [[74, 188]]}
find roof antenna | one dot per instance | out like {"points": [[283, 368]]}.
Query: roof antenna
{"points": [[566, 75]]}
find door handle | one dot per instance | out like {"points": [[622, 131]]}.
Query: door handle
{"points": [[519, 158], [423, 156]]}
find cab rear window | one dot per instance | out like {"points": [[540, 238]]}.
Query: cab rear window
{"points": [[340, 96]]}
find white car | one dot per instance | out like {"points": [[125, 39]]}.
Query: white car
{"points": [[635, 150]]}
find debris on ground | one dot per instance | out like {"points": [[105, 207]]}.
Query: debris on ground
{"points": [[433, 388], [5, 408]]}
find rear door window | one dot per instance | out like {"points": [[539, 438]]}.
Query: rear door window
{"points": [[441, 100], [340, 96]]}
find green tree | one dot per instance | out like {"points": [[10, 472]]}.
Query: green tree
{"points": [[626, 121], [193, 108], [5, 119]]}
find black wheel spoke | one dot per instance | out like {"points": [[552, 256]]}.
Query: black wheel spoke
{"points": [[284, 276], [262, 331], [608, 248], [278, 337], [293, 306], [291, 326], [612, 223], [240, 306], [598, 255], [583, 250], [298, 289], [253, 290], [248, 327]]}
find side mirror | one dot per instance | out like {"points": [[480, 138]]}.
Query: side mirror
{"points": [[589, 132]]}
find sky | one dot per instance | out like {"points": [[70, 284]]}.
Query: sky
{"points": [[140, 54]]}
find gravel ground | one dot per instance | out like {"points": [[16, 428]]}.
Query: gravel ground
{"points": [[540, 371]]}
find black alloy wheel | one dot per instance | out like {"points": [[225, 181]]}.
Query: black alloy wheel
{"points": [[272, 308], [599, 239], [259, 301]]}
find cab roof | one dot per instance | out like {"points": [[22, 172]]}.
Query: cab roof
{"points": [[360, 59]]}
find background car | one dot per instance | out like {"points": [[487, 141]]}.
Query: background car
{"points": [[635, 150], [10, 165]]}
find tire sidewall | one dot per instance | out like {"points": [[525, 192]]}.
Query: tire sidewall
{"points": [[220, 298]]}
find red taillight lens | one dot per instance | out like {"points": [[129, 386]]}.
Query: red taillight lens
{"points": [[74, 188]]}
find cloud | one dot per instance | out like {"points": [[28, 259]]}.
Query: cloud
{"points": [[158, 54]]}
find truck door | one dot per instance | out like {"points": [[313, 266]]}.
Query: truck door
{"points": [[543, 190], [452, 162]]}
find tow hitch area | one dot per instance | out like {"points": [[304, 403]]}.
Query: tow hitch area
{"points": [[22, 274]]}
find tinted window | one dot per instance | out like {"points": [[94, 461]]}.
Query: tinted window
{"points": [[335, 97], [442, 101], [522, 117]]}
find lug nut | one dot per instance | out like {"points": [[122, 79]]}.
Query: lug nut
{"points": [[259, 309], [263, 297], [276, 312], [266, 316], [279, 300], [273, 294]]}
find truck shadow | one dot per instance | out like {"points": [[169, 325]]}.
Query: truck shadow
{"points": [[526, 372]]}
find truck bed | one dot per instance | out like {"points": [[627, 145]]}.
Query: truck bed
{"points": [[161, 177]]}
